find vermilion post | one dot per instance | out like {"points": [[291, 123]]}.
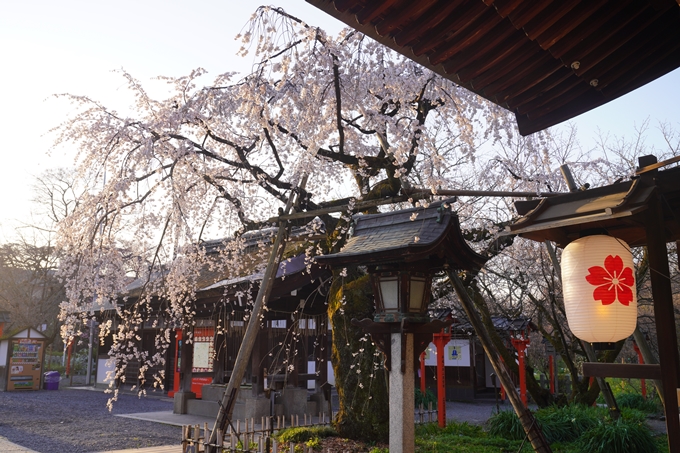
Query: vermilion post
{"points": [[68, 358], [440, 341], [551, 366], [521, 344], [643, 384], [422, 373]]}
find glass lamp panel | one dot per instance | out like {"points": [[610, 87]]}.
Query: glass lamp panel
{"points": [[416, 295], [389, 292]]}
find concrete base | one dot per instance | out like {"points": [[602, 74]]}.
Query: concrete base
{"points": [[180, 402]]}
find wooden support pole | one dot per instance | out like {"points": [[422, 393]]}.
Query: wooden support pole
{"points": [[532, 430], [243, 357], [664, 315]]}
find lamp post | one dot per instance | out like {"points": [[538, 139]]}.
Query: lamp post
{"points": [[402, 295], [401, 256]]}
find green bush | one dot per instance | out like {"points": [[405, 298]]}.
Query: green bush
{"points": [[425, 399], [304, 434], [635, 401], [567, 423], [621, 436], [505, 424], [633, 415]]}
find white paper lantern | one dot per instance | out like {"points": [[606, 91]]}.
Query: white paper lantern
{"points": [[598, 283]]}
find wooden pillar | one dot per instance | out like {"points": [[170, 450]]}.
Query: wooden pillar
{"points": [[185, 375], [186, 369], [532, 430], [664, 316]]}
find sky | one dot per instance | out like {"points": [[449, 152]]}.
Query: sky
{"points": [[49, 47]]}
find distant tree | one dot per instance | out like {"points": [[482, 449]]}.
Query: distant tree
{"points": [[29, 287]]}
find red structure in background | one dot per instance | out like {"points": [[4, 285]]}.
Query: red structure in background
{"points": [[197, 382], [69, 350], [440, 341], [520, 343], [643, 383]]}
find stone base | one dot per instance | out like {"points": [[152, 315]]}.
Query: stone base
{"points": [[180, 402], [293, 400]]}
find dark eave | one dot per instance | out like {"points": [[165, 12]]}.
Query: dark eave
{"points": [[546, 61]]}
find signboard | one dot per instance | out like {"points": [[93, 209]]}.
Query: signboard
{"points": [[25, 364], [457, 354]]}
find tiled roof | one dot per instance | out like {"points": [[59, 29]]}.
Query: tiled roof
{"points": [[406, 236], [616, 209]]}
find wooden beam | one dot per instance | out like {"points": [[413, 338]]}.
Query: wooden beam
{"points": [[621, 370]]}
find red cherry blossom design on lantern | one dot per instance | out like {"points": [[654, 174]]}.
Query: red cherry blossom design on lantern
{"points": [[613, 281]]}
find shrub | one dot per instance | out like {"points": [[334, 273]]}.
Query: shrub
{"points": [[635, 401], [621, 436], [425, 399], [451, 428], [304, 434], [505, 424], [567, 423]]}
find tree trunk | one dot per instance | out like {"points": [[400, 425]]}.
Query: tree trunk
{"points": [[361, 385]]}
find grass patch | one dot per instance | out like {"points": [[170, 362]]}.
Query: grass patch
{"points": [[462, 438]]}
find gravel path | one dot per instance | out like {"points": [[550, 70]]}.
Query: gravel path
{"points": [[77, 421]]}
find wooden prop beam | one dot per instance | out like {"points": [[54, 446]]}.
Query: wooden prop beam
{"points": [[621, 370], [532, 430], [243, 357]]}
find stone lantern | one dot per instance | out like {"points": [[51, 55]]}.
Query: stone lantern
{"points": [[402, 251]]}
